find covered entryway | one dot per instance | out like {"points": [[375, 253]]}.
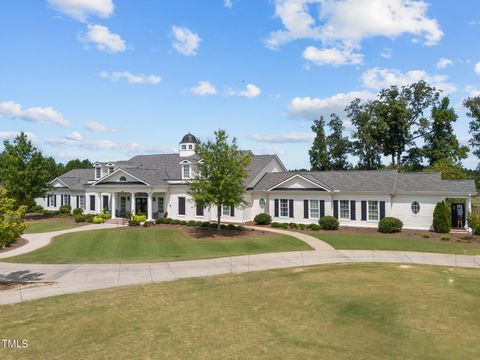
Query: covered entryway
{"points": [[141, 204], [458, 215]]}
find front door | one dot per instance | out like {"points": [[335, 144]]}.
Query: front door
{"points": [[141, 206], [123, 206], [458, 215], [105, 203]]}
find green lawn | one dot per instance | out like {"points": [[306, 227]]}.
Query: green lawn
{"points": [[374, 242], [150, 245], [368, 311], [47, 226]]}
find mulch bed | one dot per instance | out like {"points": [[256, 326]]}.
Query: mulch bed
{"points": [[41, 218]]}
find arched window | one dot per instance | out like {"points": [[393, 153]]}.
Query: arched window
{"points": [[261, 203], [122, 178], [415, 207]]}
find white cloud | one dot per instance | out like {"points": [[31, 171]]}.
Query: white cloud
{"points": [[12, 110], [284, 138], [472, 90], [74, 136], [103, 39], [443, 63], [131, 78], [477, 68], [228, 3], [95, 126], [386, 53], [7, 135], [312, 108], [81, 9], [332, 56], [275, 150], [350, 21], [203, 88], [378, 78], [186, 42], [250, 91]]}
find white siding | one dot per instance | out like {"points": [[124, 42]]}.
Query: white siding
{"points": [[401, 208]]}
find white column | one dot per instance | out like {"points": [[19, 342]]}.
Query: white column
{"points": [[149, 207], [112, 196], [98, 210], [468, 210], [132, 203]]}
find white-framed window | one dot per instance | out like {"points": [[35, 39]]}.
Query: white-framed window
{"points": [[98, 173], [161, 205], [226, 210], [372, 210], [186, 171], [262, 203], [65, 199], [314, 209], [111, 169], [184, 147], [415, 207], [199, 210], [81, 202], [190, 147], [283, 207], [344, 209]]}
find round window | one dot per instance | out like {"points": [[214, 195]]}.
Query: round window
{"points": [[123, 178], [415, 207], [262, 203]]}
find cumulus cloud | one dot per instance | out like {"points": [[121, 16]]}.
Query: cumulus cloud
{"points": [[250, 91], [228, 4], [95, 126], [275, 150], [443, 63], [379, 78], [13, 110], [312, 108], [477, 68], [131, 78], [332, 56], [284, 138], [203, 88], [472, 90], [186, 42], [81, 9], [103, 39]]}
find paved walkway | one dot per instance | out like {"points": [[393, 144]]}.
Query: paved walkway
{"points": [[43, 280]]}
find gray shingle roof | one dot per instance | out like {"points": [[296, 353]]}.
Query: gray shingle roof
{"points": [[76, 179]]}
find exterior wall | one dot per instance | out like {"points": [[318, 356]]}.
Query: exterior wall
{"points": [[358, 208], [401, 208], [58, 192]]}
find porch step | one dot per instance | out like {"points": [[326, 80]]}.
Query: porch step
{"points": [[120, 221], [458, 231]]}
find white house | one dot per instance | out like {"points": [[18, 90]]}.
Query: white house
{"points": [[157, 185]]}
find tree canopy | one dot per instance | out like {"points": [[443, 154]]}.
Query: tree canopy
{"points": [[319, 156]]}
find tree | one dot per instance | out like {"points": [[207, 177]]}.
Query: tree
{"points": [[319, 157], [441, 143], [221, 174], [23, 170], [473, 107], [77, 164], [337, 144], [449, 170], [11, 219], [364, 144]]}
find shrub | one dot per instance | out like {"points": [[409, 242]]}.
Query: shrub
{"points": [[80, 218], [426, 236], [314, 227], [160, 220], [175, 222], [473, 219], [301, 226], [133, 222], [167, 220], [476, 230], [105, 215], [89, 218], [198, 223], [65, 210], [98, 220], [213, 225], [442, 220], [262, 219], [148, 223], [11, 219], [50, 212], [390, 225], [77, 211], [241, 228], [284, 225], [328, 223], [140, 218], [192, 223], [293, 226], [445, 238], [205, 224], [36, 209], [183, 222], [231, 227], [275, 224]]}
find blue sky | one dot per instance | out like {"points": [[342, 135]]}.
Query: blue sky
{"points": [[107, 79]]}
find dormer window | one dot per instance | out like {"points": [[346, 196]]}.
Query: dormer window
{"points": [[190, 147], [98, 173], [184, 147], [186, 171], [111, 169]]}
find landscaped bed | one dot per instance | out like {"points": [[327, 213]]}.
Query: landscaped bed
{"points": [[41, 226], [368, 311], [160, 243]]}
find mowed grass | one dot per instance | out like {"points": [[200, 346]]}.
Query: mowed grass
{"points": [[151, 245], [341, 241], [47, 226], [368, 311]]}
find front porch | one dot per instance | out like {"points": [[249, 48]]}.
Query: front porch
{"points": [[123, 203]]}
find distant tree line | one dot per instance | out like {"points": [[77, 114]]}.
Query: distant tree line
{"points": [[411, 125]]}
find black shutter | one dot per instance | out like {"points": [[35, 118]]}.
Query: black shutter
{"points": [[55, 200], [382, 210], [364, 211], [78, 202], [48, 200], [276, 207], [305, 209], [335, 208], [352, 210], [61, 200], [290, 208], [232, 211], [181, 206], [322, 208]]}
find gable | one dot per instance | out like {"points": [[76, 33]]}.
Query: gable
{"points": [[58, 184], [297, 183], [120, 177]]}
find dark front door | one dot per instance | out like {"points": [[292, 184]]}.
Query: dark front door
{"points": [[458, 215], [105, 203], [141, 205]]}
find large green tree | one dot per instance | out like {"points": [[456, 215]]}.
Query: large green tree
{"points": [[221, 173], [440, 141], [364, 145], [77, 164], [319, 156], [338, 144], [23, 170], [473, 107], [11, 219]]}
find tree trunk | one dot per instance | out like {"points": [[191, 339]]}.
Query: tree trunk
{"points": [[399, 158], [219, 218], [393, 159]]}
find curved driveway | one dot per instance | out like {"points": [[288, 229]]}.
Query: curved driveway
{"points": [[33, 281]]}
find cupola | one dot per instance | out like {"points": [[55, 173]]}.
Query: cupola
{"points": [[187, 145]]}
